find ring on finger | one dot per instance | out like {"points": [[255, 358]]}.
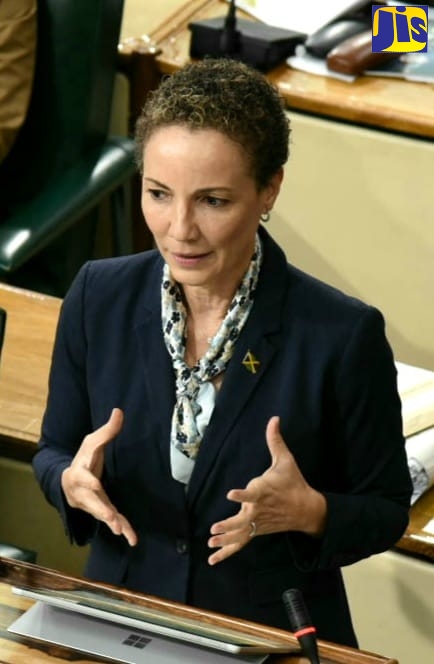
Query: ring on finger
{"points": [[252, 532]]}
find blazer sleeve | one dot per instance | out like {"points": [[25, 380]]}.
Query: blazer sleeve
{"points": [[67, 418], [369, 512]]}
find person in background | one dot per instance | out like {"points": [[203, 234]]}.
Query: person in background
{"points": [[18, 34], [220, 425]]}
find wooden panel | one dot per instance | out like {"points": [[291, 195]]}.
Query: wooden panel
{"points": [[30, 329], [415, 539]]}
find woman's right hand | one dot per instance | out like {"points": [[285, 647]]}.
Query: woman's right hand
{"points": [[81, 481]]}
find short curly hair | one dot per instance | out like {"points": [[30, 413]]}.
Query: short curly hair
{"points": [[230, 97]]}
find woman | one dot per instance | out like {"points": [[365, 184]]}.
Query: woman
{"points": [[221, 426]]}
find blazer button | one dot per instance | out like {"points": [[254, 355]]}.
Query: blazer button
{"points": [[181, 546]]}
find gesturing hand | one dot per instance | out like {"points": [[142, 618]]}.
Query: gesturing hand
{"points": [[279, 500], [81, 481]]}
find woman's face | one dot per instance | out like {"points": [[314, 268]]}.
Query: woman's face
{"points": [[202, 206]]}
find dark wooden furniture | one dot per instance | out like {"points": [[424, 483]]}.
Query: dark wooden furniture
{"points": [[29, 336]]}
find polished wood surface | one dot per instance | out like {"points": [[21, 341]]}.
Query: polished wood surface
{"points": [[30, 329], [15, 649], [390, 104], [415, 539]]}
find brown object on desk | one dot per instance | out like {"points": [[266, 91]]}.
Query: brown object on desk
{"points": [[354, 55], [15, 649], [28, 344]]}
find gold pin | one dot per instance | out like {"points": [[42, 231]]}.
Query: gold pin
{"points": [[250, 362]]}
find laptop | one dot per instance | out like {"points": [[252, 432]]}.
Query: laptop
{"points": [[96, 624]]}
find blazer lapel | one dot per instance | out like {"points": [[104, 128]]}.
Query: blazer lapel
{"points": [[254, 351], [157, 366]]}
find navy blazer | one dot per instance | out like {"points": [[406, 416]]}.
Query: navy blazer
{"points": [[325, 368]]}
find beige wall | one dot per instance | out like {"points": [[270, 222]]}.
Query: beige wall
{"points": [[356, 210], [27, 520], [392, 603]]}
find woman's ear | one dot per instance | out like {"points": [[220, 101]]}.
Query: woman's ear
{"points": [[273, 188]]}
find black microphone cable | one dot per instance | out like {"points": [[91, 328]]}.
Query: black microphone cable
{"points": [[301, 623]]}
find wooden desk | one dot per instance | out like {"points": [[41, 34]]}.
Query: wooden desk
{"points": [[379, 102], [415, 540], [30, 329], [16, 649]]}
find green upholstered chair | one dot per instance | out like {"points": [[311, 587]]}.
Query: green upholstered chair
{"points": [[64, 163]]}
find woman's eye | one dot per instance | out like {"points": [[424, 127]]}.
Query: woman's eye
{"points": [[213, 201], [157, 194]]}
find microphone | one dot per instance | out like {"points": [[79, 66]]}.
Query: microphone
{"points": [[301, 623], [230, 40]]}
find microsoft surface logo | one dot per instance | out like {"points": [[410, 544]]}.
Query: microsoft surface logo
{"points": [[400, 29]]}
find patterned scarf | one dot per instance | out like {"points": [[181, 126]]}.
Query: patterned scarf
{"points": [[193, 382]]}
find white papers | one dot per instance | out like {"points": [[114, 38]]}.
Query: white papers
{"points": [[413, 379], [416, 389], [420, 457], [303, 61], [429, 527], [304, 16]]}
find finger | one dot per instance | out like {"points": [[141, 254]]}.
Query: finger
{"points": [[99, 506], [108, 430], [239, 537], [275, 442], [248, 495], [273, 427], [232, 523], [223, 553], [119, 525], [128, 531]]}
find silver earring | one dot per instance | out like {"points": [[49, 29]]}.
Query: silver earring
{"points": [[265, 216]]}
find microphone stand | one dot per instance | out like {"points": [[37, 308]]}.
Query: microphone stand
{"points": [[230, 39]]}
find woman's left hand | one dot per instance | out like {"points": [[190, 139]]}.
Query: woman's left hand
{"points": [[279, 500]]}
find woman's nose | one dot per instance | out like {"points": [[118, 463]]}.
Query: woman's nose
{"points": [[182, 224]]}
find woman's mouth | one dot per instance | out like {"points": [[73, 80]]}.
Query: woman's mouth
{"points": [[189, 260]]}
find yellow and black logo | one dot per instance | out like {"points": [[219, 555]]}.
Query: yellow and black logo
{"points": [[250, 362], [400, 29]]}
